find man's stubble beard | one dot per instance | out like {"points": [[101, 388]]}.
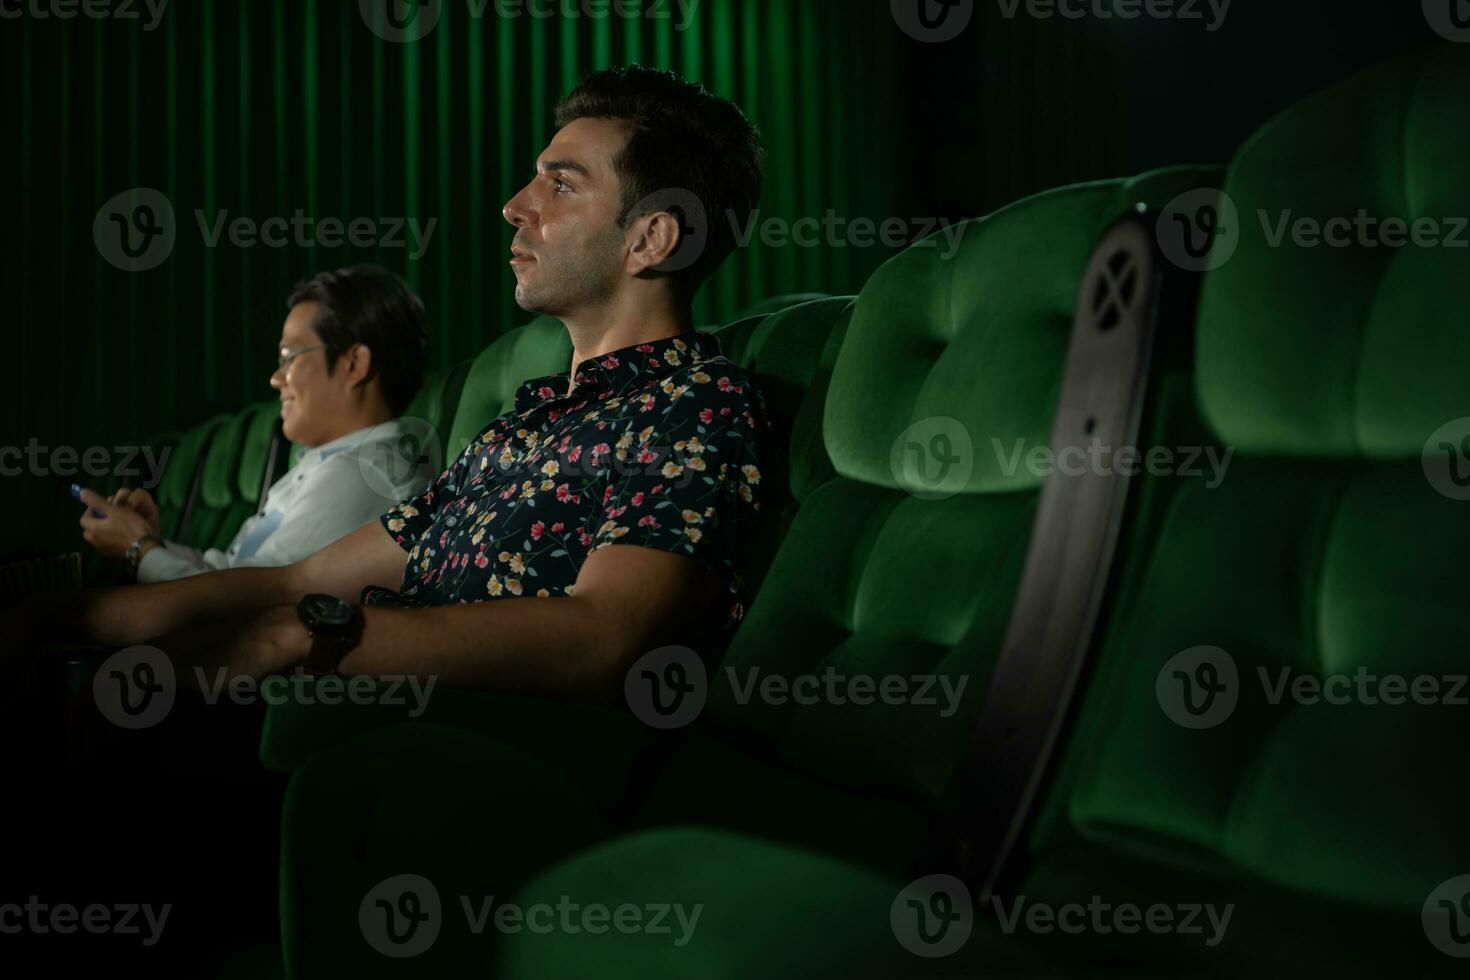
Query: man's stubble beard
{"points": [[585, 278]]}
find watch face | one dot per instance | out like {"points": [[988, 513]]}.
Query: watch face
{"points": [[325, 611]]}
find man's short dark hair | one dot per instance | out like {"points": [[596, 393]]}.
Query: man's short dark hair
{"points": [[369, 305], [683, 137]]}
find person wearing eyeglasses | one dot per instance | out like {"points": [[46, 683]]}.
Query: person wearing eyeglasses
{"points": [[351, 360]]}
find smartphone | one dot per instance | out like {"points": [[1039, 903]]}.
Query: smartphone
{"points": [[76, 491]]}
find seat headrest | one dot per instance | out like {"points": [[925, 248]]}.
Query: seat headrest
{"points": [[1335, 342], [534, 350], [790, 353], [957, 344]]}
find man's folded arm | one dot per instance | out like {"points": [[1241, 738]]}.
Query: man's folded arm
{"points": [[627, 600], [138, 613]]}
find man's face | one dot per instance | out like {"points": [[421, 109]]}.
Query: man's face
{"points": [[568, 251], [311, 399]]}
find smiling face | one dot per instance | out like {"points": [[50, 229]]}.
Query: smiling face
{"points": [[313, 400], [568, 251]]}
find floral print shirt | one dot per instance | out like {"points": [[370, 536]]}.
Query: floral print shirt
{"points": [[659, 445]]}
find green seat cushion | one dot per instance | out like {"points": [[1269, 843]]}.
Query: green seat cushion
{"points": [[739, 906], [1356, 350], [539, 348], [254, 453], [221, 484], [775, 304], [178, 477], [1241, 718], [874, 584], [768, 909]]}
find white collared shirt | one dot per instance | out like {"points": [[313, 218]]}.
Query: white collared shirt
{"points": [[333, 490]]}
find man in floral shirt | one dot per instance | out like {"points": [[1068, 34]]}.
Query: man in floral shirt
{"points": [[601, 518], [658, 446]]}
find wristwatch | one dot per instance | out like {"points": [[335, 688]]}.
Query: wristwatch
{"points": [[335, 628], [134, 554]]}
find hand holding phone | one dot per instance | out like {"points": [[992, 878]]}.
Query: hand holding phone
{"points": [[76, 491]]}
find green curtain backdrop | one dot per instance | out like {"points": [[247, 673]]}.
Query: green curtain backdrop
{"points": [[259, 109]]}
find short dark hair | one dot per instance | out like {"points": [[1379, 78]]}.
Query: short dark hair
{"points": [[368, 305], [683, 137]]}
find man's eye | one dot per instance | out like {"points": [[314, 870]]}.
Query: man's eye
{"points": [[561, 185]]}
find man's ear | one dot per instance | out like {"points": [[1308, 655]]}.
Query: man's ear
{"points": [[657, 238], [356, 361]]}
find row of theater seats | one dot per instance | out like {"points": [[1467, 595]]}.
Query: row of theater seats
{"points": [[218, 470], [1327, 833]]}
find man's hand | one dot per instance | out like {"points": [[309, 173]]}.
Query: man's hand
{"points": [[112, 535], [141, 502], [270, 642], [254, 645]]}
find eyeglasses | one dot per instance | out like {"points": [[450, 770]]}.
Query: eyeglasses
{"points": [[289, 354]]}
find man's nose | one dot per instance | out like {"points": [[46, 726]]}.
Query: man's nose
{"points": [[278, 379], [520, 210]]}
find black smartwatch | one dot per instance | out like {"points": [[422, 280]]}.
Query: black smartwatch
{"points": [[335, 627]]}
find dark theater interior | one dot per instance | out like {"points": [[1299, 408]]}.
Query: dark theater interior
{"points": [[735, 489]]}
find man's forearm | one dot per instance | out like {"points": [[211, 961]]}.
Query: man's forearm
{"points": [[137, 613], [557, 648]]}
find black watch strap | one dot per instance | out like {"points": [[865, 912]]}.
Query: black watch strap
{"points": [[327, 651], [329, 644]]}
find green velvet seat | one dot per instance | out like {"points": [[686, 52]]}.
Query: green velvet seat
{"points": [[881, 573], [791, 352], [534, 350], [835, 772], [181, 481], [775, 304], [1333, 547], [222, 505]]}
